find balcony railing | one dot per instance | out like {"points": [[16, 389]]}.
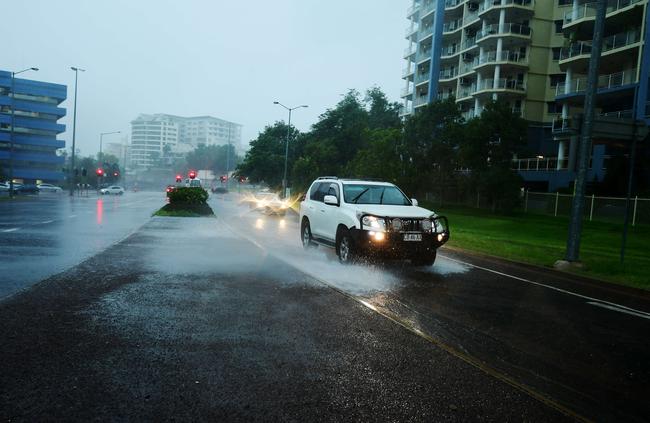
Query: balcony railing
{"points": [[427, 7], [425, 32], [452, 26], [408, 71], [445, 95], [411, 30], [540, 164], [588, 10], [504, 56], [470, 17], [406, 91], [421, 100], [501, 84], [613, 80], [466, 91], [448, 51], [422, 77], [609, 43], [409, 51], [411, 10], [469, 43], [467, 67], [450, 4], [507, 28], [489, 4], [448, 73], [405, 110], [561, 125], [423, 55], [620, 114]]}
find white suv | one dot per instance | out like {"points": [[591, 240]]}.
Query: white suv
{"points": [[361, 217]]}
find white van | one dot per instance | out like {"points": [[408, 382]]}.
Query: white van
{"points": [[196, 182]]}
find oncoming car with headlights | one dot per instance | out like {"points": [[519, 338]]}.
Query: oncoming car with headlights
{"points": [[368, 218]]}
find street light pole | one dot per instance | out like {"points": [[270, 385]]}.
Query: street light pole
{"points": [[286, 148], [13, 110], [101, 137], [72, 177]]}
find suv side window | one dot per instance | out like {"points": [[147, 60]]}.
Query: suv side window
{"points": [[333, 189], [314, 193]]}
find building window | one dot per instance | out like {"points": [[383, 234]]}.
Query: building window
{"points": [[558, 26], [553, 108], [556, 53], [564, 2]]}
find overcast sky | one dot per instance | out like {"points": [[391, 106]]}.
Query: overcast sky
{"points": [[229, 59]]}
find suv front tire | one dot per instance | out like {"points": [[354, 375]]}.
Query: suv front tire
{"points": [[305, 234], [345, 247]]}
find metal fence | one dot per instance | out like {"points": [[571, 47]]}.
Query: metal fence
{"points": [[610, 209]]}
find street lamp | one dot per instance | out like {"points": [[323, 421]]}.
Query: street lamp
{"points": [[74, 129], [286, 148], [13, 109], [101, 136]]}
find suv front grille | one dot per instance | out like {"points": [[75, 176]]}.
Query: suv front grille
{"points": [[408, 225]]}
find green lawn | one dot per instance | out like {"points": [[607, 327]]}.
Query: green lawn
{"points": [[541, 240]]}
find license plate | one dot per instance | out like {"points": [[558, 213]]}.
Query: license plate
{"points": [[412, 237]]}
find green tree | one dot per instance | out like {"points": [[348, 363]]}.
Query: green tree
{"points": [[264, 161], [212, 157], [489, 144], [380, 158], [382, 114]]}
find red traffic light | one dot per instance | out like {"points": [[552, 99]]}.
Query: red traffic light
{"points": [[192, 174], [100, 172], [179, 178], [223, 178]]}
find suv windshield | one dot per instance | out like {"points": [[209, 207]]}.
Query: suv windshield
{"points": [[374, 194]]}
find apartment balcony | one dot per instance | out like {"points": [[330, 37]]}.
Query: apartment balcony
{"points": [[449, 51], [540, 164], [446, 95], [411, 31], [563, 126], [409, 51], [412, 10], [471, 18], [422, 77], [452, 4], [605, 82], [448, 74], [427, 8], [501, 86], [511, 58], [408, 71], [405, 110], [420, 101], [406, 91], [465, 92], [468, 115], [581, 20], [425, 32], [577, 54], [423, 56], [451, 27], [513, 31], [520, 7]]}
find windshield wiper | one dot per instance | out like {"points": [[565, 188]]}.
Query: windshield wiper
{"points": [[355, 199], [381, 197]]}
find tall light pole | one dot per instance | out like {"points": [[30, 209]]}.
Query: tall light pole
{"points": [[286, 148], [13, 109], [228, 157], [72, 177], [101, 137]]}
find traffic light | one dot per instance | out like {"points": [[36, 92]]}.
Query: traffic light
{"points": [[100, 172], [192, 174], [83, 171], [179, 178], [223, 178]]}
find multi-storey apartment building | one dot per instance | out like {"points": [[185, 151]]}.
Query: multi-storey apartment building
{"points": [[36, 128], [153, 136], [533, 55]]}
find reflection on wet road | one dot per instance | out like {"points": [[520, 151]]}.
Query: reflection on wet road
{"points": [[535, 329], [46, 234]]}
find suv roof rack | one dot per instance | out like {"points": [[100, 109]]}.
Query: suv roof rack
{"points": [[366, 179], [326, 177]]}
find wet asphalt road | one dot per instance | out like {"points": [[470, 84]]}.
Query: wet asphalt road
{"points": [[46, 234], [228, 318]]}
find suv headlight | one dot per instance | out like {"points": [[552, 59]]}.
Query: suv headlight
{"points": [[373, 223]]}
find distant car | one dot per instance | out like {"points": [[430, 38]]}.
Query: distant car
{"points": [[4, 187], [25, 189], [196, 182], [112, 190], [49, 188], [170, 188], [220, 190], [269, 203]]}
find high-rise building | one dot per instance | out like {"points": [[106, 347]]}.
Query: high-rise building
{"points": [[35, 142], [533, 54], [159, 135]]}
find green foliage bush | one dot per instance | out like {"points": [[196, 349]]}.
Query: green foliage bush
{"points": [[185, 195]]}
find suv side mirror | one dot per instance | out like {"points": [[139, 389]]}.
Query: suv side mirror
{"points": [[330, 200], [415, 202]]}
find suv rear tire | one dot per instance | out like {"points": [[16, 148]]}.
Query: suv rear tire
{"points": [[305, 234], [345, 247]]}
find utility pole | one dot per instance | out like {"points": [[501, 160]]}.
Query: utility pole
{"points": [[286, 148], [228, 157], [584, 154], [73, 177]]}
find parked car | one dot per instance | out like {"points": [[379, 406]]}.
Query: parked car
{"points": [[112, 190], [219, 190], [25, 189], [49, 188], [360, 217], [4, 187]]}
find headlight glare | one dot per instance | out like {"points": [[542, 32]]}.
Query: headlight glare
{"points": [[374, 223]]}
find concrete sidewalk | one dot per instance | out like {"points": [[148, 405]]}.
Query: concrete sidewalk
{"points": [[184, 320]]}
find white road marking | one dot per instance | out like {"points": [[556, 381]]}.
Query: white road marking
{"points": [[72, 215], [47, 221], [10, 230], [601, 303], [641, 314]]}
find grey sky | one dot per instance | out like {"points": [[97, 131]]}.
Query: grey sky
{"points": [[229, 59]]}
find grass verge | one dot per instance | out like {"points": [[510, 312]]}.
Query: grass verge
{"points": [[541, 240], [185, 210]]}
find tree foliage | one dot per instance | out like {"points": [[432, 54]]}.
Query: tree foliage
{"points": [[212, 157]]}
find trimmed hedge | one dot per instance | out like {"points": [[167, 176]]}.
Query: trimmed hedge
{"points": [[185, 195]]}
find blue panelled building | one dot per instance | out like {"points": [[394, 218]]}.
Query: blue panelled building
{"points": [[36, 115]]}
